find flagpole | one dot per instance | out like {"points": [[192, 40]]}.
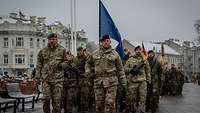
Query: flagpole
{"points": [[75, 34], [99, 20], [72, 25]]}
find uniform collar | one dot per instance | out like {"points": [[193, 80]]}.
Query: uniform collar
{"points": [[105, 50], [53, 47]]}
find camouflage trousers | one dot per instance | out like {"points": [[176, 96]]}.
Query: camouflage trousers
{"points": [[173, 86], [179, 89], [69, 99], [136, 97], [84, 97], [152, 99], [52, 91], [121, 98], [105, 99]]}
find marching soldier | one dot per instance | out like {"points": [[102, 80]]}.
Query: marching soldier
{"points": [[138, 75], [50, 64], [108, 70], [70, 90], [165, 80], [180, 81], [154, 87], [83, 81], [173, 86], [121, 93]]}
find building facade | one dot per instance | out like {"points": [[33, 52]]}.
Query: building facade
{"points": [[191, 55], [21, 41]]}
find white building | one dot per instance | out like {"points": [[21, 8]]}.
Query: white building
{"points": [[20, 42], [190, 52]]}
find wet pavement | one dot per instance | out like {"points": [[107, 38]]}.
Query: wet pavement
{"points": [[189, 102]]}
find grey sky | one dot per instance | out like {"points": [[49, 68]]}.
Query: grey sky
{"points": [[148, 20]]}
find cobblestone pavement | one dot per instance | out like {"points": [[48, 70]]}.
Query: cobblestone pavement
{"points": [[189, 102]]}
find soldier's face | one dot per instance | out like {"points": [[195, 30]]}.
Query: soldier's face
{"points": [[81, 52], [52, 41], [138, 51], [151, 55], [106, 43]]}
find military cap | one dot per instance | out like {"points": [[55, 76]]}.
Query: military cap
{"points": [[137, 47], [105, 37], [52, 35], [150, 51], [79, 48]]}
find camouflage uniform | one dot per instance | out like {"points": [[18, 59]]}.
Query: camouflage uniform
{"points": [[108, 71], [173, 85], [137, 84], [121, 93], [165, 81], [70, 90], [180, 82], [83, 83], [50, 64], [153, 89]]}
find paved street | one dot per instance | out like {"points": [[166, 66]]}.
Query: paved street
{"points": [[188, 103]]}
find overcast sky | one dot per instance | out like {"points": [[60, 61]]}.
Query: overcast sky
{"points": [[137, 20]]}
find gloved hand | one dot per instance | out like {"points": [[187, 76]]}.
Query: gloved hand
{"points": [[38, 82]]}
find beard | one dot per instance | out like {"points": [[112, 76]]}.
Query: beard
{"points": [[150, 58]]}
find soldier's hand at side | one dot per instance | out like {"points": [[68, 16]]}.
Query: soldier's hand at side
{"points": [[37, 81]]}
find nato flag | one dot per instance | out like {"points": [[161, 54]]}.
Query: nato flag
{"points": [[107, 27]]}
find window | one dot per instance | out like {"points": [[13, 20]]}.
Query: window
{"points": [[19, 42], [19, 59], [5, 59], [44, 43], [31, 59], [31, 42], [5, 42], [38, 43]]}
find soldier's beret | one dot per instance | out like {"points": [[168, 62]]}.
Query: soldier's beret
{"points": [[105, 37], [52, 35], [150, 51], [79, 48], [137, 47]]}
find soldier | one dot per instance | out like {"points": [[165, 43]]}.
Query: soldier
{"points": [[138, 75], [153, 91], [165, 80], [127, 55], [173, 86], [180, 81], [70, 90], [121, 94], [50, 64], [83, 81], [108, 70]]}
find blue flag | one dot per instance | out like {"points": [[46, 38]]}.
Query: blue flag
{"points": [[107, 27]]}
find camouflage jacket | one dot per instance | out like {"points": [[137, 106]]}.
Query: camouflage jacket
{"points": [[156, 72], [70, 76], [80, 62], [50, 64], [180, 77], [145, 70], [107, 66]]}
